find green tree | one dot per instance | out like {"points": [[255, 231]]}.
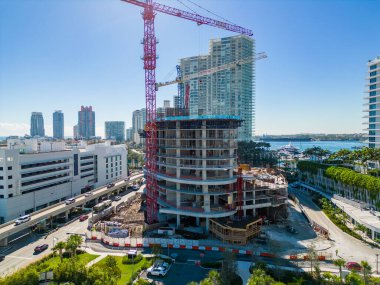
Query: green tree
{"points": [[259, 277], [366, 271], [72, 244], [60, 246], [110, 266], [213, 278], [354, 279], [340, 263], [70, 270]]}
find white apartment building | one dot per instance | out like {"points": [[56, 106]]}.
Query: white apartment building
{"points": [[36, 173], [372, 106]]}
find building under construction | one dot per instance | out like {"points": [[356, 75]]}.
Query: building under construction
{"points": [[198, 181]]}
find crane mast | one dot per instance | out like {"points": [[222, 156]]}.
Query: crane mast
{"points": [[150, 58]]}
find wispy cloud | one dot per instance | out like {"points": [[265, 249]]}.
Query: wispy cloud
{"points": [[13, 129]]}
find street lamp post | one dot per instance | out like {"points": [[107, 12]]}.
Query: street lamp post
{"points": [[377, 263]]}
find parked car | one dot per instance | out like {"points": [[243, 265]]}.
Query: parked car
{"points": [[70, 201], [22, 220], [135, 187], [117, 198], [126, 179], [88, 194], [354, 266], [41, 248], [159, 268], [110, 185], [83, 218]]}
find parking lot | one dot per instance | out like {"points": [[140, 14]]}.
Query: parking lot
{"points": [[181, 274]]}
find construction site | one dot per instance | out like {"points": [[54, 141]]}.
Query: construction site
{"points": [[193, 180]]}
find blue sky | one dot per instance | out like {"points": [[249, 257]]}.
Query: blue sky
{"points": [[59, 55]]}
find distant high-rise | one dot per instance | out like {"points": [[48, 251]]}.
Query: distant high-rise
{"points": [[37, 125], [176, 102], [86, 123], [138, 124], [229, 91], [166, 103], [58, 125], [75, 131], [129, 134], [373, 103], [115, 130]]}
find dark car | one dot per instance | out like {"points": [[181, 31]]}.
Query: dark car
{"points": [[2, 257], [110, 185], [291, 230], [83, 218], [41, 248]]}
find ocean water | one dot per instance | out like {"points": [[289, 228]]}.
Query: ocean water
{"points": [[332, 146]]}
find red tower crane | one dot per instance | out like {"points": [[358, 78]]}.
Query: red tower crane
{"points": [[150, 57]]}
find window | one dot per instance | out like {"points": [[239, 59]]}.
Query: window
{"points": [[371, 107], [372, 100], [10, 186], [1, 168], [1, 177], [9, 167], [10, 195], [372, 67], [371, 87], [107, 160], [9, 176], [372, 126], [372, 93], [106, 176], [1, 187], [1, 196], [111, 175], [372, 80], [373, 73], [372, 120]]}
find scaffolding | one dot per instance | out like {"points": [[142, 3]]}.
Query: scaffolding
{"points": [[235, 231]]}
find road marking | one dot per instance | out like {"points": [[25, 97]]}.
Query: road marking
{"points": [[19, 257]]}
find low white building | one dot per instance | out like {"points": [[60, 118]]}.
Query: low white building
{"points": [[36, 173]]}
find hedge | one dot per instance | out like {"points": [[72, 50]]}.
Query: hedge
{"points": [[310, 166]]}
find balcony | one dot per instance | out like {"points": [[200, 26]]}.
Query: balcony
{"points": [[196, 180], [220, 166], [194, 209], [196, 191], [196, 157]]}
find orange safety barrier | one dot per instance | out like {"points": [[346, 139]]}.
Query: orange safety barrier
{"points": [[195, 247], [235, 250], [293, 257], [321, 257], [182, 246], [208, 248], [115, 244], [127, 245]]}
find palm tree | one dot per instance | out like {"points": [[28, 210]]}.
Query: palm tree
{"points": [[340, 263], [60, 246], [366, 270], [73, 242]]}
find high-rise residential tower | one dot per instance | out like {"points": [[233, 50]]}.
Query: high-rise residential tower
{"points": [[115, 130], [372, 111], [37, 125], [58, 125], [86, 123], [138, 124], [75, 131], [229, 91]]}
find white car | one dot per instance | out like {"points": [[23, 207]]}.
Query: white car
{"points": [[117, 198], [70, 201], [159, 269], [135, 187], [22, 220], [87, 194]]}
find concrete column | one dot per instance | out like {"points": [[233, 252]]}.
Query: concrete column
{"points": [[197, 221], [373, 234], [96, 200], [178, 220], [206, 202], [178, 199], [4, 242], [67, 216], [207, 225]]}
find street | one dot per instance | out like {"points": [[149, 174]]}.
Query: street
{"points": [[21, 252]]}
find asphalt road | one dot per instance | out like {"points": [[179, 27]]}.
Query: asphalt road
{"points": [[21, 252], [349, 248]]}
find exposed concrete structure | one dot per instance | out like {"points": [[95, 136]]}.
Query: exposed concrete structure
{"points": [[197, 158]]}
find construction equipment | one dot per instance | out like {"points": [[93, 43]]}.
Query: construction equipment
{"points": [[182, 79], [150, 57]]}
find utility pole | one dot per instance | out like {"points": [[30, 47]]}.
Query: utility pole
{"points": [[377, 263]]}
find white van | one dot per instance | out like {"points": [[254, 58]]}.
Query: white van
{"points": [[22, 220]]}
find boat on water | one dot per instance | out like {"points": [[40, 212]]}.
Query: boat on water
{"points": [[289, 149]]}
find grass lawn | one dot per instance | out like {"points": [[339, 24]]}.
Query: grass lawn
{"points": [[126, 269], [53, 262]]}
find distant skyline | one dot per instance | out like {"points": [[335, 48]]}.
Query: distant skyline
{"points": [[59, 55]]}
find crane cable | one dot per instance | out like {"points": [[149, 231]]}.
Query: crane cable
{"points": [[210, 12]]}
